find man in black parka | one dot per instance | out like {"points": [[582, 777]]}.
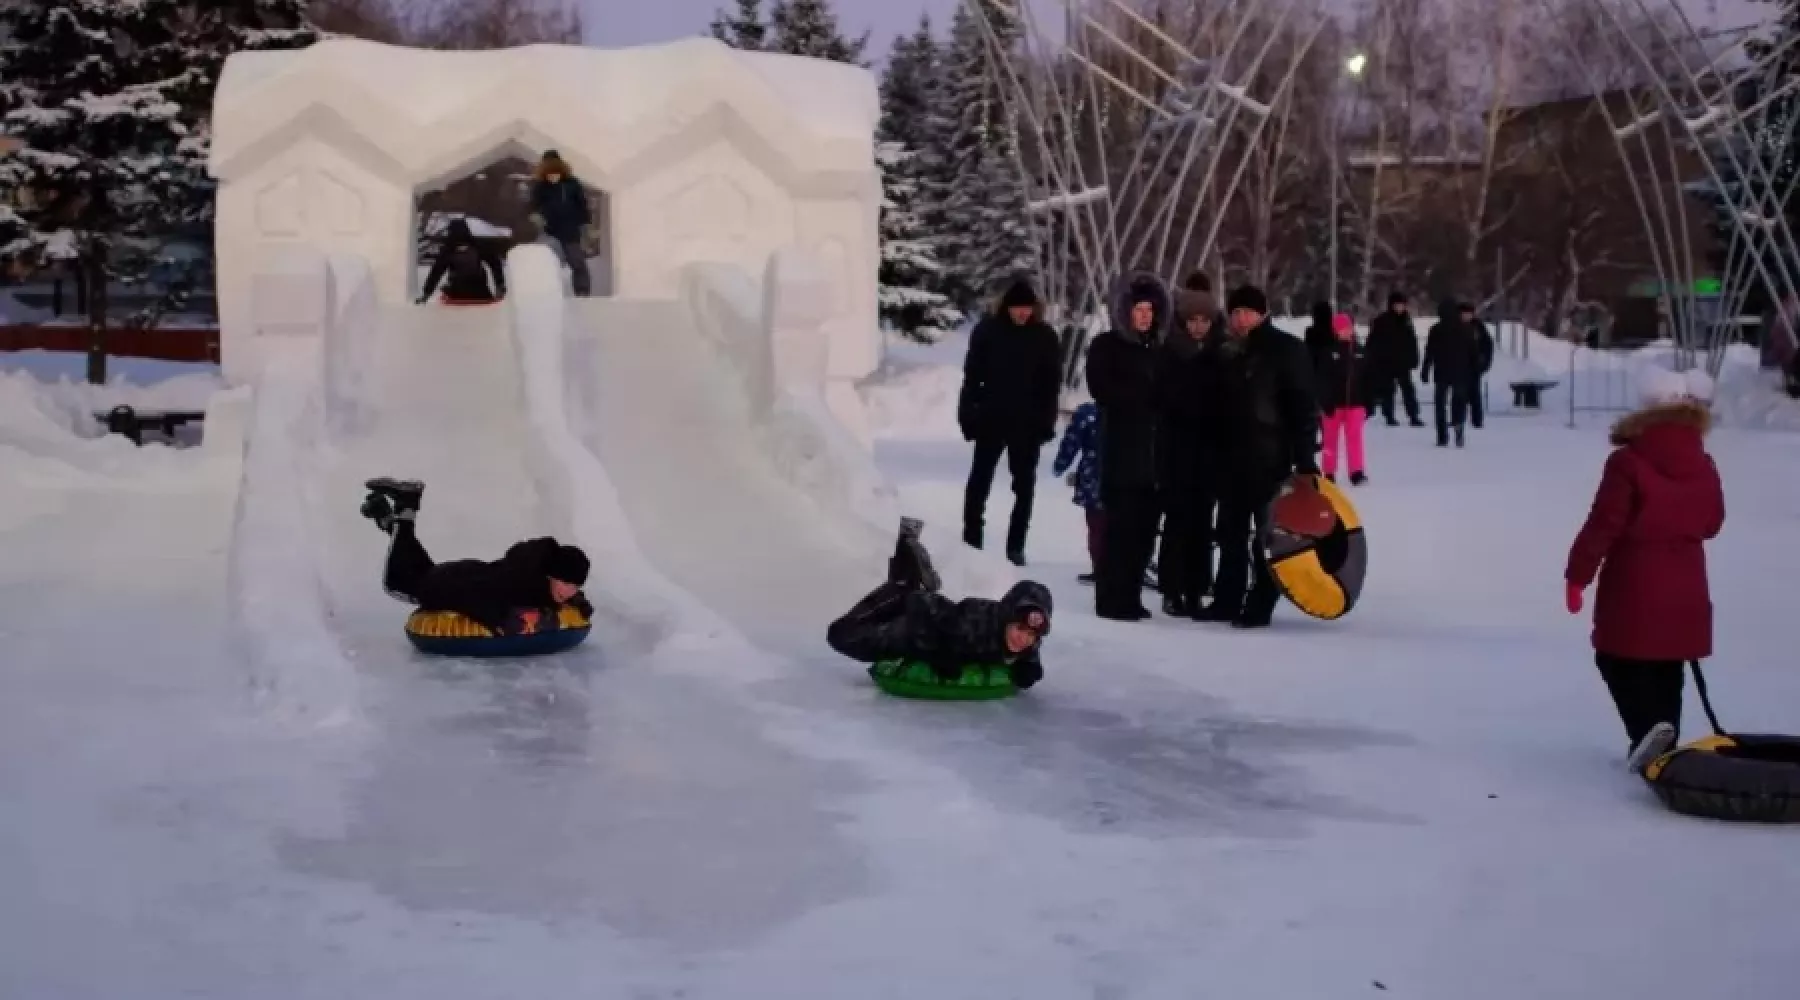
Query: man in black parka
{"points": [[1121, 376], [1189, 443], [1450, 355], [1012, 377], [1271, 432], [1484, 360], [1393, 353]]}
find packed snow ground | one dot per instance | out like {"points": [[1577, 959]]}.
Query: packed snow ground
{"points": [[1424, 799]]}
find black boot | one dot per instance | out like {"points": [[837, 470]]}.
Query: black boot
{"points": [[376, 508], [1459, 436], [972, 536], [402, 494], [1016, 557], [1357, 479]]}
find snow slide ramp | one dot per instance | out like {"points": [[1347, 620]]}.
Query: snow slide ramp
{"points": [[747, 498]]}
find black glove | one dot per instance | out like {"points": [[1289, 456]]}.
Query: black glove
{"points": [[580, 603]]}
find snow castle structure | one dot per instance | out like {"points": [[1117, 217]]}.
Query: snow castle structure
{"points": [[707, 155]]}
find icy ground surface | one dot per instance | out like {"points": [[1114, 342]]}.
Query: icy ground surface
{"points": [[1425, 796]]}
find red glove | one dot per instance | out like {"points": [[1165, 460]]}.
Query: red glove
{"points": [[1572, 597]]}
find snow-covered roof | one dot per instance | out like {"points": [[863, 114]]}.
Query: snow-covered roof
{"points": [[421, 115]]}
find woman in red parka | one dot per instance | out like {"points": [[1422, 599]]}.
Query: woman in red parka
{"points": [[1659, 501]]}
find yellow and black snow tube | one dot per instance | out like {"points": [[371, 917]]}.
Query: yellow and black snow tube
{"points": [[1320, 569], [447, 633], [1743, 777]]}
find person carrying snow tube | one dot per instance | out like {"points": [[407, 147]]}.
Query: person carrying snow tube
{"points": [[467, 268], [525, 603], [920, 644]]}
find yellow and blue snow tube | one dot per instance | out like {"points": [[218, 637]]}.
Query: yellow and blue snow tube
{"points": [[1317, 549], [1743, 777], [447, 633]]}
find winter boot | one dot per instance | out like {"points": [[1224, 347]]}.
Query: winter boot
{"points": [[911, 564], [1331, 476], [1016, 557], [1655, 743], [972, 536], [1357, 479], [402, 494], [377, 508], [1459, 436], [1215, 612], [1415, 421]]}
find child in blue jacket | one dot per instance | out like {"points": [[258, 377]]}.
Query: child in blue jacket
{"points": [[1081, 439]]}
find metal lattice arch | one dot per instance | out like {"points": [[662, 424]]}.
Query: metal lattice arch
{"points": [[1123, 116]]}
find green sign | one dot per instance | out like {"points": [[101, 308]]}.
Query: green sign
{"points": [[1702, 288]]}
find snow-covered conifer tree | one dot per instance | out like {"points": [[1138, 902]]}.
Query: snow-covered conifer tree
{"points": [[744, 27], [810, 28], [909, 267], [976, 207]]}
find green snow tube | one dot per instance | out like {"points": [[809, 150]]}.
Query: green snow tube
{"points": [[913, 679]]}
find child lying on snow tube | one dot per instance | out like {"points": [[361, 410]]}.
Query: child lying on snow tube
{"points": [[509, 596], [906, 619]]}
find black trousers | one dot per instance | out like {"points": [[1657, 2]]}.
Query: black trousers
{"points": [[1644, 691], [1130, 530], [876, 627], [1022, 462], [1475, 411], [408, 564], [1245, 584], [1449, 404], [1409, 394], [1184, 569]]}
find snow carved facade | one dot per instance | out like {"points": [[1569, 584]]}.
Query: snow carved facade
{"points": [[706, 154]]}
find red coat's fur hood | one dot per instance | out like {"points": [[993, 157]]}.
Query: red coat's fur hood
{"points": [[1633, 425]]}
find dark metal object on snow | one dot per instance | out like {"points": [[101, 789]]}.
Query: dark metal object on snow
{"points": [[131, 423]]}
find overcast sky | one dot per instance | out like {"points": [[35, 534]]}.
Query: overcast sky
{"points": [[636, 22]]}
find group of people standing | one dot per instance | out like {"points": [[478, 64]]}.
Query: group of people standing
{"points": [[1459, 350], [1201, 414]]}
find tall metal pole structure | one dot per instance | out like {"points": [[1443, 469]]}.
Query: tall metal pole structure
{"points": [[1353, 66]]}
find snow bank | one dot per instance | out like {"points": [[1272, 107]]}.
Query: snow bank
{"points": [[49, 437], [280, 622], [1744, 394]]}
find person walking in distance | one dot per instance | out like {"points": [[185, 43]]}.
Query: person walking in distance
{"points": [[1393, 353], [1338, 379], [1270, 433], [559, 206], [1012, 376], [1484, 360], [1121, 376], [1187, 452], [1450, 355]]}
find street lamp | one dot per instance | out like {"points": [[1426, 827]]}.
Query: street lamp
{"points": [[1353, 67]]}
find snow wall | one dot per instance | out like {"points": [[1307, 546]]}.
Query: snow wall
{"points": [[707, 154]]}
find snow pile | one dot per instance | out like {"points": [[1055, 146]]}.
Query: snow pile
{"points": [[913, 395], [49, 436], [134, 382], [280, 621], [1744, 395], [349, 346]]}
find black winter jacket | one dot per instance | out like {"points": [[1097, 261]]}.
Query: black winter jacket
{"points": [[895, 623], [1449, 350], [563, 206], [1338, 374], [1012, 377], [492, 592], [475, 274], [1393, 348], [1187, 405], [1272, 414], [1484, 348], [1121, 376]]}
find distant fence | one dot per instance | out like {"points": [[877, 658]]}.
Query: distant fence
{"points": [[1601, 379], [191, 344]]}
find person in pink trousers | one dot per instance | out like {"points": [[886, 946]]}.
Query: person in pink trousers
{"points": [[1338, 374]]}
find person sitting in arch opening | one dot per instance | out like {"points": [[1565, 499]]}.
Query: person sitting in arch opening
{"points": [[907, 619], [509, 596], [467, 265]]}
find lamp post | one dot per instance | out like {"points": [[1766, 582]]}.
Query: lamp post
{"points": [[1353, 66]]}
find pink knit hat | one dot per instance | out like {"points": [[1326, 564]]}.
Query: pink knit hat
{"points": [[1341, 325]]}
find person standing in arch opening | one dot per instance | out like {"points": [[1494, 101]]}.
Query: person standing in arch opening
{"points": [[559, 207]]}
